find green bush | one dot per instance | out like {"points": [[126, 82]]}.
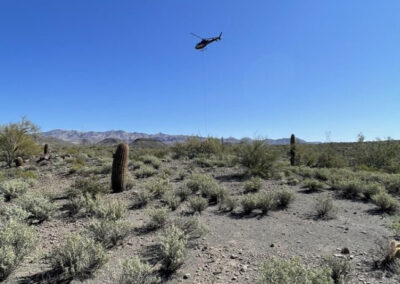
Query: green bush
{"points": [[158, 186], [284, 197], [324, 207], [78, 256], [87, 185], [291, 271], [228, 204], [194, 147], [313, 184], [340, 268], [143, 197], [252, 185], [372, 189], [151, 160], [134, 271], [200, 182], [385, 202], [171, 199], [183, 192], [191, 226], [39, 208], [198, 204], [265, 201], [257, 158], [14, 212], [173, 248], [249, 203], [110, 210], [16, 241], [158, 218], [13, 188], [144, 172], [108, 232], [352, 189]]}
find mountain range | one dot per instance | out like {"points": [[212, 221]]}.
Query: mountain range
{"points": [[107, 137]]}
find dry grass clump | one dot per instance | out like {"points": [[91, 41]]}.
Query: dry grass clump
{"points": [[197, 204], [134, 271], [173, 248], [252, 185], [324, 207], [78, 256], [292, 271], [16, 241]]}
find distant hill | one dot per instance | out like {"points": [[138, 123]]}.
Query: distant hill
{"points": [[147, 143], [116, 136]]}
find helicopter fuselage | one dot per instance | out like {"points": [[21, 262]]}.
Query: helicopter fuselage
{"points": [[204, 42]]}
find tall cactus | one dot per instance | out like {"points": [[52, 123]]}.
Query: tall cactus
{"points": [[119, 168], [46, 149], [19, 162], [292, 149]]}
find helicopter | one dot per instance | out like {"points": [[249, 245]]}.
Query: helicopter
{"points": [[205, 41]]}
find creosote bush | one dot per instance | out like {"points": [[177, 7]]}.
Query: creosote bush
{"points": [[143, 197], [158, 186], [134, 271], [284, 197], [249, 203], [257, 158], [110, 210], [191, 226], [144, 172], [292, 271], [313, 184], [16, 241], [87, 185], [150, 160], [14, 212], [173, 248], [171, 199], [340, 268], [78, 256], [198, 204]]}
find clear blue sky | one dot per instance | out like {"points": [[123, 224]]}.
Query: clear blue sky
{"points": [[305, 67]]}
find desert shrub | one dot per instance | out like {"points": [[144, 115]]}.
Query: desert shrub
{"points": [[137, 165], [134, 271], [183, 192], [78, 256], [395, 226], [191, 226], [158, 218], [371, 189], [16, 241], [108, 232], [198, 204], [182, 175], [329, 159], [228, 204], [151, 160], [39, 208], [385, 202], [214, 194], [387, 253], [252, 185], [80, 202], [173, 248], [351, 189], [307, 172], [13, 188], [248, 203], [143, 197], [158, 186], [144, 172], [340, 268], [257, 158], [284, 197], [14, 212], [171, 199], [324, 207], [265, 201], [313, 184], [291, 271], [110, 210], [200, 182], [322, 174], [87, 185], [392, 183], [292, 180], [195, 147]]}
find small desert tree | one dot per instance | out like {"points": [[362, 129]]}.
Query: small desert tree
{"points": [[16, 139]]}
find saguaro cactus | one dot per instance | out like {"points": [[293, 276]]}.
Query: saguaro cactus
{"points": [[19, 162], [46, 149], [119, 168], [292, 149]]}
